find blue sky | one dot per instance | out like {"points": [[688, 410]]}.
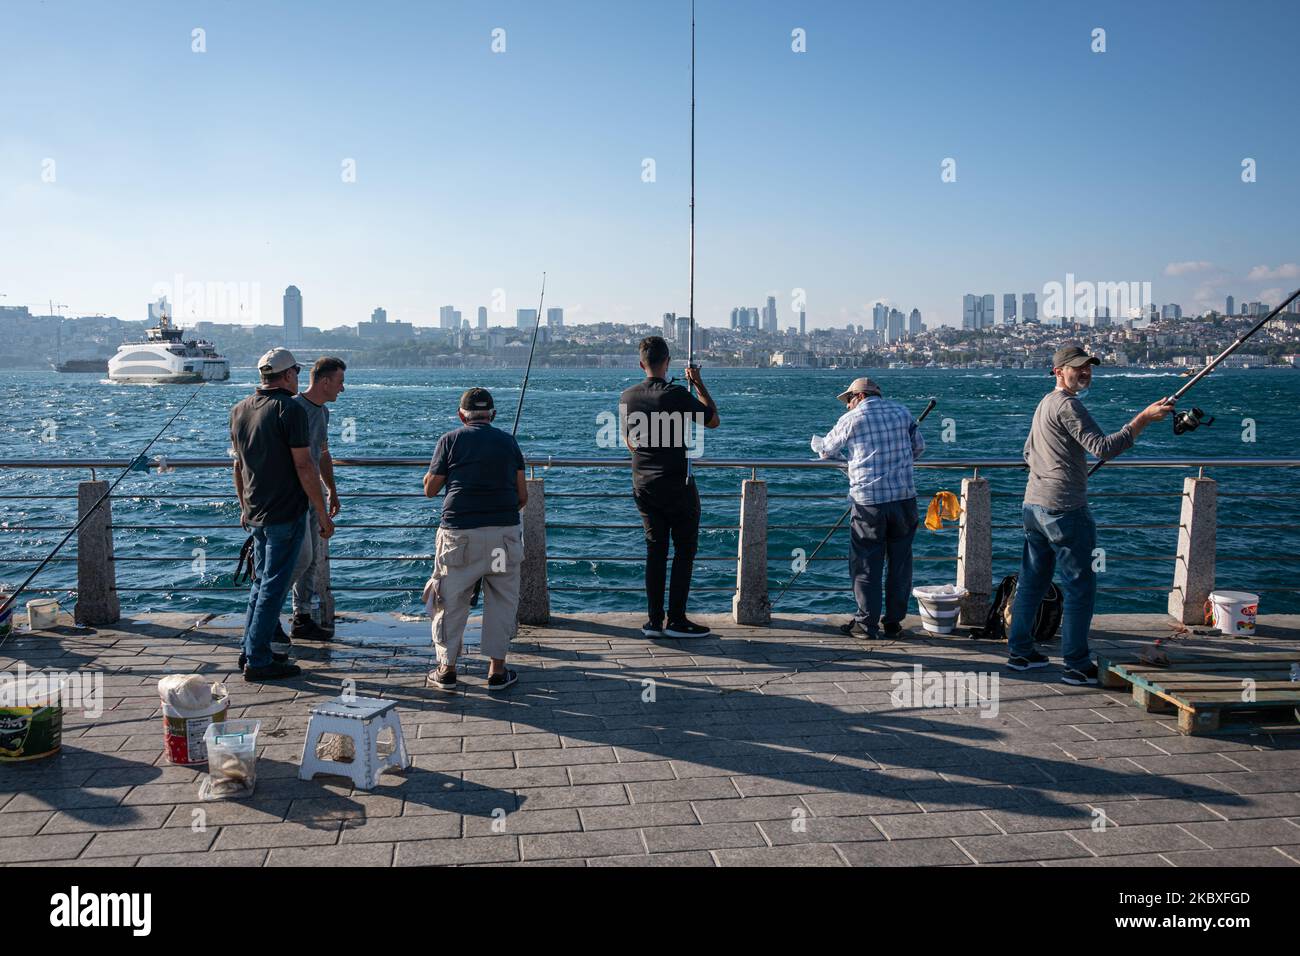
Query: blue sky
{"points": [[477, 170]]}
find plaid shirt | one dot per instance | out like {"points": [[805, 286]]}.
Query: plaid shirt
{"points": [[880, 441]]}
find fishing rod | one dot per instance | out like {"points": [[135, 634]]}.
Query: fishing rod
{"points": [[928, 409], [690, 335], [1190, 421], [135, 465], [523, 389]]}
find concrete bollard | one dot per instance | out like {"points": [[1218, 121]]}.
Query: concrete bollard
{"points": [[534, 599], [751, 604], [975, 551], [97, 601], [1194, 566], [322, 588]]}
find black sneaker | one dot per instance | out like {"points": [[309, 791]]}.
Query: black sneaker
{"points": [[276, 670], [276, 658], [1080, 676], [856, 629], [893, 630], [443, 678], [502, 680], [652, 629], [1030, 661], [685, 628], [306, 629]]}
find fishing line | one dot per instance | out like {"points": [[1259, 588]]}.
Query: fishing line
{"points": [[139, 462]]}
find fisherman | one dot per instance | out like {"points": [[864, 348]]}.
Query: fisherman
{"points": [[326, 386], [1059, 531], [480, 537], [658, 420], [275, 480], [881, 441]]}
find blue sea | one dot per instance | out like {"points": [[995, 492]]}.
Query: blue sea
{"points": [[595, 540]]}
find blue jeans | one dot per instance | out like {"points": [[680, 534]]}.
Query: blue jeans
{"points": [[275, 551], [879, 534], [1062, 541]]}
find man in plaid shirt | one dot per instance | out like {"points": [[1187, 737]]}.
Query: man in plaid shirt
{"points": [[881, 441]]}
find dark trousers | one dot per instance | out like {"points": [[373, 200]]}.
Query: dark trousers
{"points": [[669, 512], [879, 535]]}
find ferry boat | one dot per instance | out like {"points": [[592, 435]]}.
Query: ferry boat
{"points": [[165, 358], [82, 365]]}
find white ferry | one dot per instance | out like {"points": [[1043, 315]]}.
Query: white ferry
{"points": [[164, 358]]}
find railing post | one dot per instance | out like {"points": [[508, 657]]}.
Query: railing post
{"points": [[534, 599], [975, 550], [97, 601], [321, 586], [751, 604], [1194, 567]]}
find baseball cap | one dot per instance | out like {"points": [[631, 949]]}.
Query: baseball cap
{"points": [[1073, 356], [864, 386], [476, 400], [276, 361]]}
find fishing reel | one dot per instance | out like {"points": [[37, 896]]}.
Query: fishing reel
{"points": [[1189, 421]]}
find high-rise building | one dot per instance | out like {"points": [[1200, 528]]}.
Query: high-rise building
{"points": [[447, 318], [379, 316], [1029, 307], [803, 319], [769, 315], [988, 316], [162, 308], [683, 330], [525, 318], [292, 316], [894, 328], [735, 318], [914, 323], [482, 316], [670, 326], [879, 317], [1009, 308], [977, 311], [1172, 311], [1230, 306], [555, 318]]}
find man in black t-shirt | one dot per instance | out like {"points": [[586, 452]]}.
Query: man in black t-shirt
{"points": [[479, 539], [658, 421], [275, 481]]}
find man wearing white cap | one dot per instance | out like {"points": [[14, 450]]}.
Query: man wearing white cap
{"points": [[881, 441], [276, 480]]}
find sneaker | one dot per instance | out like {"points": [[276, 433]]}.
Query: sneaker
{"points": [[652, 629], [306, 629], [502, 680], [856, 629], [685, 628], [276, 657], [276, 670], [1030, 661], [893, 630], [1080, 676], [443, 678]]}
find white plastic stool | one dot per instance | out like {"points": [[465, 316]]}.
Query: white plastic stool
{"points": [[361, 719]]}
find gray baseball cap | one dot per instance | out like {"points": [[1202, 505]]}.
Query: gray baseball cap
{"points": [[863, 386], [1073, 356], [276, 361]]}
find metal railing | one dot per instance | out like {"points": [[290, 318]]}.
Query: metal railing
{"points": [[541, 466]]}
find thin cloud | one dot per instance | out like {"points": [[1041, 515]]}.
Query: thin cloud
{"points": [[1187, 268], [1287, 270]]}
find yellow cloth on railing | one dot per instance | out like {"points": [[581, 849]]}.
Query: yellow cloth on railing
{"points": [[944, 506]]}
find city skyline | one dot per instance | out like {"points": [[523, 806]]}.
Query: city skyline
{"points": [[111, 182]]}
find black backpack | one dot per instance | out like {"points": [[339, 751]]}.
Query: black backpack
{"points": [[998, 624]]}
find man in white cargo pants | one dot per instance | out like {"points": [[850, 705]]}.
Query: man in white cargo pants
{"points": [[480, 538]]}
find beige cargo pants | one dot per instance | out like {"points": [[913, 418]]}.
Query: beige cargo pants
{"points": [[462, 557]]}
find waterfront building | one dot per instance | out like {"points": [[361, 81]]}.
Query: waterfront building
{"points": [[292, 317]]}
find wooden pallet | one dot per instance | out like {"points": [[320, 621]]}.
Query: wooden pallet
{"points": [[1208, 691]]}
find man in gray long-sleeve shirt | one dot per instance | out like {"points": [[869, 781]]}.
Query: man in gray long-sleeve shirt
{"points": [[1060, 534]]}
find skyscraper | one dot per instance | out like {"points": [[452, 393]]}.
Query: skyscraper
{"points": [[670, 326], [970, 307], [769, 315], [988, 315], [1009, 308], [803, 318], [525, 318], [292, 316], [447, 318], [735, 318], [683, 330], [1029, 308], [879, 316], [894, 329], [914, 324], [1230, 306], [482, 316], [555, 318]]}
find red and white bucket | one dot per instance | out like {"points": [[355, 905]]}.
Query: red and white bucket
{"points": [[183, 732]]}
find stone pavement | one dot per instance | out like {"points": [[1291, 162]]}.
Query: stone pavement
{"points": [[756, 746]]}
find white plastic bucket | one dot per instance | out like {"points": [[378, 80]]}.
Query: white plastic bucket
{"points": [[1234, 612], [940, 604], [42, 613]]}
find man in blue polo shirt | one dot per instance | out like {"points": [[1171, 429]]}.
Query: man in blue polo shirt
{"points": [[479, 538]]}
